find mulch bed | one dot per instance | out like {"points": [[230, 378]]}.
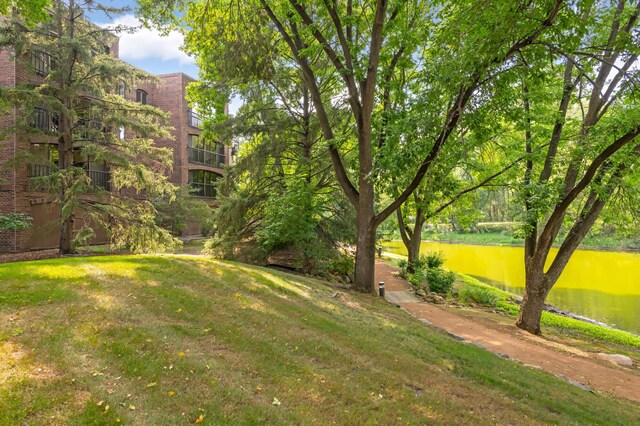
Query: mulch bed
{"points": [[50, 254], [29, 255]]}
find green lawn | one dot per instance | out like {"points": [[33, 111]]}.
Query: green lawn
{"points": [[179, 340]]}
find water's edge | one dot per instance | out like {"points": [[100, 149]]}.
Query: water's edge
{"points": [[580, 247], [518, 299]]}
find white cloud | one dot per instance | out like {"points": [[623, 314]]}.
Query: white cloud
{"points": [[148, 44]]}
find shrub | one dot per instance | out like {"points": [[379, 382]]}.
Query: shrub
{"points": [[14, 222], [439, 280], [403, 264], [478, 295], [416, 280], [433, 259], [428, 268]]}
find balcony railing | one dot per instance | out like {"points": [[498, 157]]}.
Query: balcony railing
{"points": [[99, 179], [202, 156], [194, 119], [39, 170], [206, 190]]}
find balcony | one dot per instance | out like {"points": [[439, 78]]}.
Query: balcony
{"points": [[39, 170], [205, 157], [45, 120], [99, 179], [193, 119], [205, 190]]}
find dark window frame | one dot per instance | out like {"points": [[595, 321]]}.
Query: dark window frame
{"points": [[193, 119], [45, 120], [41, 62], [142, 96], [202, 183]]}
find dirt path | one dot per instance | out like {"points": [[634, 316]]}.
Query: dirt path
{"points": [[514, 343]]}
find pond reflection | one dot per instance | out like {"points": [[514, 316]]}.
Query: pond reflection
{"points": [[601, 285]]}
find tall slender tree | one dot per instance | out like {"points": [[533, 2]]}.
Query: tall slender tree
{"points": [[579, 103]]}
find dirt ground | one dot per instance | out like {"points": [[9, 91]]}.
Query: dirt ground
{"points": [[510, 342]]}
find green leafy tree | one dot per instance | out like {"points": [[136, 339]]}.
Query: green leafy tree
{"points": [[448, 51], [280, 193], [30, 11], [450, 188], [580, 118], [104, 163]]}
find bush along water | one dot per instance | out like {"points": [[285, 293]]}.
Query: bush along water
{"points": [[427, 275]]}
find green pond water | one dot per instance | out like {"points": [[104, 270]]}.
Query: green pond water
{"points": [[601, 285]]}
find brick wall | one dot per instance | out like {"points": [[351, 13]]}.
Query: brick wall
{"points": [[15, 194]]}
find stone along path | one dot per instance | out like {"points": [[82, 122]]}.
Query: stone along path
{"points": [[573, 365]]}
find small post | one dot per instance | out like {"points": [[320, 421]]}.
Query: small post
{"points": [[379, 251], [381, 288]]}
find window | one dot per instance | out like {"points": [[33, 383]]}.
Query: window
{"points": [[141, 96], [202, 183], [202, 151], [220, 153], [121, 89], [194, 142], [41, 62], [193, 119], [45, 120]]}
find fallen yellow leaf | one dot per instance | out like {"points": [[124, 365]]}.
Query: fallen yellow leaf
{"points": [[171, 393], [150, 385], [132, 407], [200, 419], [181, 354]]}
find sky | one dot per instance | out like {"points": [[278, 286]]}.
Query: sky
{"points": [[147, 49]]}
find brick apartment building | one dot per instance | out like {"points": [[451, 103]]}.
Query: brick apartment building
{"points": [[197, 163]]}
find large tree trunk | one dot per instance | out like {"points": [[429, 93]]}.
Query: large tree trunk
{"points": [[364, 279], [532, 303], [65, 142]]}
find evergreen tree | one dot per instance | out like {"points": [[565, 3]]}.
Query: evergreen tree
{"points": [[104, 163]]}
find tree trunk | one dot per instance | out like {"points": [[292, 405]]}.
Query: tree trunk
{"points": [[65, 142], [364, 279], [536, 291], [66, 235], [413, 248]]}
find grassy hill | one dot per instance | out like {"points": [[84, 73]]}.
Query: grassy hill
{"points": [[179, 340]]}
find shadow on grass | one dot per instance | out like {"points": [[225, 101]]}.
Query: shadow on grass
{"points": [[156, 337]]}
